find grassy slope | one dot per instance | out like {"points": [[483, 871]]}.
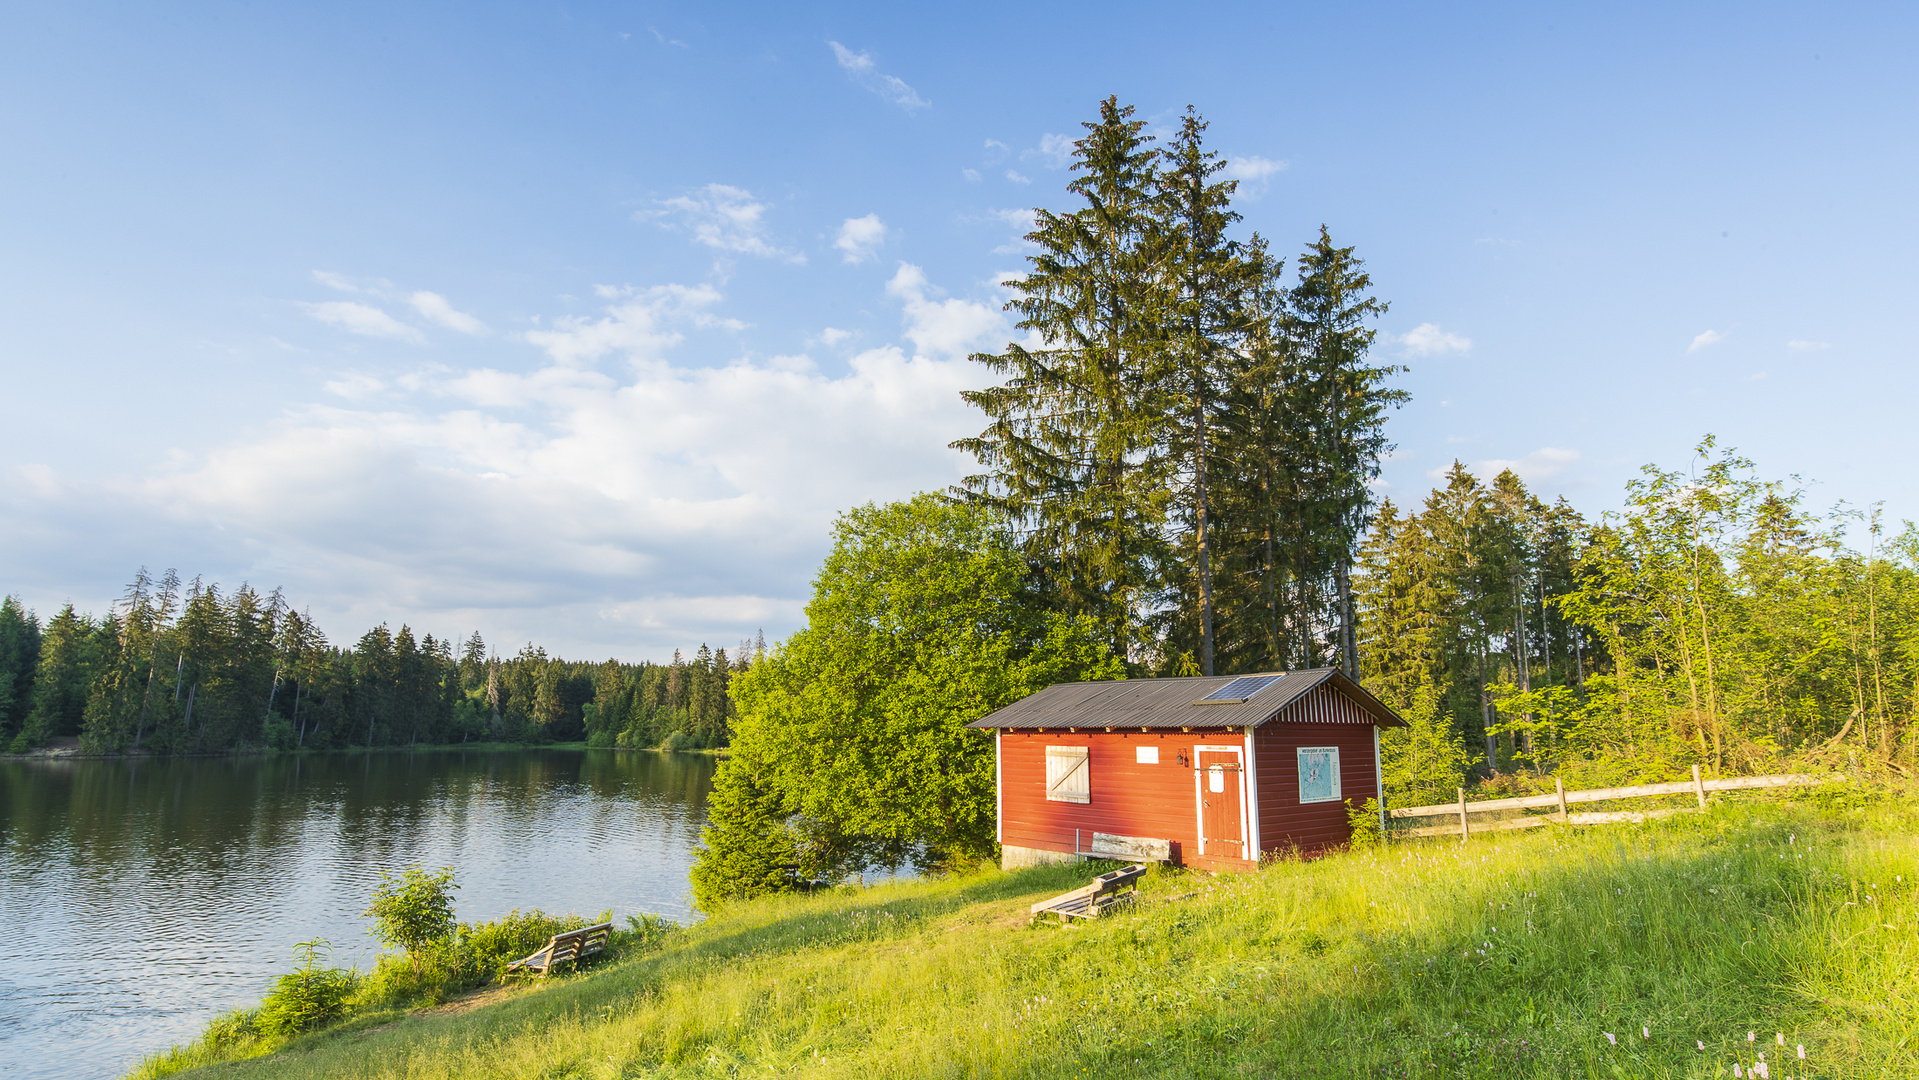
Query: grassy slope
{"points": [[1512, 956]]}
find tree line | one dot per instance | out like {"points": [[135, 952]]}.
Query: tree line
{"points": [[185, 667], [1713, 620]]}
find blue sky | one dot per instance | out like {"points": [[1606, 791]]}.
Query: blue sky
{"points": [[578, 323]]}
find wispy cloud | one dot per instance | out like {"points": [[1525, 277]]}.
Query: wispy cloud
{"points": [[1427, 339], [996, 151], [1017, 178], [664, 40], [1253, 168], [860, 67], [1710, 337], [337, 282], [1021, 220], [1053, 151], [722, 217], [434, 308], [860, 238], [1798, 345], [971, 175], [641, 323], [363, 319]]}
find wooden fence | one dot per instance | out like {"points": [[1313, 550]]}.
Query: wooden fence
{"points": [[1562, 799]]}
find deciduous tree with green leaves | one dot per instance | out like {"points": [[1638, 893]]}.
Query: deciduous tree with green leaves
{"points": [[851, 749]]}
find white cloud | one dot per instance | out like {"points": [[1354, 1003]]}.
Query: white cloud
{"points": [[861, 68], [679, 500], [726, 218], [434, 308], [363, 319], [1710, 337], [971, 175], [353, 386], [1427, 339], [339, 282], [1542, 465], [833, 335], [1017, 178], [1252, 168], [641, 324], [1053, 151], [860, 238], [1798, 345], [664, 40], [948, 328], [996, 151], [41, 480]]}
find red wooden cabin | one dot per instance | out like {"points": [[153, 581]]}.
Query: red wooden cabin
{"points": [[1211, 772]]}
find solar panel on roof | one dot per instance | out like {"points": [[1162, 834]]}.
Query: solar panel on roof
{"points": [[1240, 689]]}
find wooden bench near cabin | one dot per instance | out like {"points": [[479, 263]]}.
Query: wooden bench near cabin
{"points": [[1090, 901], [568, 948]]}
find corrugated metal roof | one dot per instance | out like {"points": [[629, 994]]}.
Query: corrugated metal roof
{"points": [[1168, 703]]}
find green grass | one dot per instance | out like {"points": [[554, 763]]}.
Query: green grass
{"points": [[1512, 956]]}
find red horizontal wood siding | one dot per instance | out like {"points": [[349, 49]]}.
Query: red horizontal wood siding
{"points": [[1127, 798], [1285, 823]]}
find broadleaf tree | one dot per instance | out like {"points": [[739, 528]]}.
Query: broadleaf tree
{"points": [[850, 750]]}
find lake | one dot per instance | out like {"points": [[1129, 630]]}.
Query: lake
{"points": [[141, 898]]}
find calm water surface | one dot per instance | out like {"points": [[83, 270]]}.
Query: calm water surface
{"points": [[139, 899]]}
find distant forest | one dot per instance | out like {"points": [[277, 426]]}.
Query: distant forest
{"points": [[183, 667]]}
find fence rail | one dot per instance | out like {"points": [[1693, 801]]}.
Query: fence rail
{"points": [[1562, 799]]}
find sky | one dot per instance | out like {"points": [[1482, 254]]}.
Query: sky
{"points": [[580, 323]]}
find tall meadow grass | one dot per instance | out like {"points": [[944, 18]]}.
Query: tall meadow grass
{"points": [[1627, 950]]}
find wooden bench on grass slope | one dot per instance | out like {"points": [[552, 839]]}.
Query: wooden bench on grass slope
{"points": [[568, 948], [1090, 901]]}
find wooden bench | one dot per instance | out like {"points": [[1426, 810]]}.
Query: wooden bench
{"points": [[568, 948], [1090, 901]]}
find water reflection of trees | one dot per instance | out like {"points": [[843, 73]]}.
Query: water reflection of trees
{"points": [[208, 816]]}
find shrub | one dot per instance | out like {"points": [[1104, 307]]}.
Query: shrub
{"points": [[484, 950], [308, 996], [649, 930], [413, 912], [1365, 822]]}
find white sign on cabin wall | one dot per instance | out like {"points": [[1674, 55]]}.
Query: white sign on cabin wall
{"points": [[1146, 755]]}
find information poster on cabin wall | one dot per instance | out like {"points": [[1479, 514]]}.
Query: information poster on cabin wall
{"points": [[1318, 774]]}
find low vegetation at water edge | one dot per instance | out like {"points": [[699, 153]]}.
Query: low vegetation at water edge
{"points": [[1676, 948]]}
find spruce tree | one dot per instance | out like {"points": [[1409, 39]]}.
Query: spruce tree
{"points": [[1332, 307], [1205, 278], [1073, 452]]}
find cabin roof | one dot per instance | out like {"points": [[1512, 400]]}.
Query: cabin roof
{"points": [[1170, 703]]}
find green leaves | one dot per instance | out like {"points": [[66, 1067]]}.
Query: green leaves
{"points": [[413, 911], [851, 748]]}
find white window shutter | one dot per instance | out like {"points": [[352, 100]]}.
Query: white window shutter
{"points": [[1067, 778]]}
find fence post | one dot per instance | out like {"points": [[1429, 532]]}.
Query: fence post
{"points": [[1560, 787], [1464, 830], [1699, 787]]}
